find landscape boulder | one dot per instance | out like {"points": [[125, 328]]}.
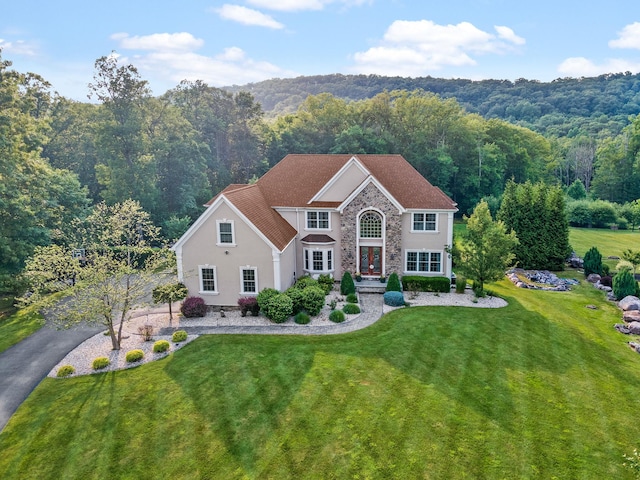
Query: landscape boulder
{"points": [[631, 316], [632, 328], [593, 278], [630, 302]]}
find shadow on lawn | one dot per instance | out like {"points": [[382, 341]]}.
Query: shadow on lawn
{"points": [[479, 358]]}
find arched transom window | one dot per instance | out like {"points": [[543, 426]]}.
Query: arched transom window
{"points": [[371, 225]]}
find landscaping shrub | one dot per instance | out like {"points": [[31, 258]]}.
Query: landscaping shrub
{"points": [[624, 265], [179, 336], [579, 213], [426, 284], [248, 304], [346, 285], [393, 299], [193, 307], [461, 284], [134, 355], [603, 213], [100, 363], [296, 295], [313, 300], [279, 308], [326, 282], [302, 318], [264, 296], [160, 346], [592, 262], [333, 303], [351, 309], [606, 281], [65, 371], [337, 316], [305, 282], [352, 298], [146, 331], [393, 284], [624, 284]]}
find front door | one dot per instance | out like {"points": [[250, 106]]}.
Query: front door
{"points": [[371, 261]]}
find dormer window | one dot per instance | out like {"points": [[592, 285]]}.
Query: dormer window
{"points": [[317, 220]]}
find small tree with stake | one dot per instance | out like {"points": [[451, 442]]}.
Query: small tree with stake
{"points": [[169, 293]]}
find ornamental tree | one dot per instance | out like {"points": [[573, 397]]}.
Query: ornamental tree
{"points": [[485, 250]]}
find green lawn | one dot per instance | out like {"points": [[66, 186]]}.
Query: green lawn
{"points": [[544, 388], [16, 325], [609, 242]]}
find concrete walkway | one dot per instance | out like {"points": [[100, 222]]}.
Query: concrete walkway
{"points": [[24, 365]]}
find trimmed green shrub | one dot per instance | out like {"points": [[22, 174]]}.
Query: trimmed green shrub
{"points": [[426, 284], [179, 336], [352, 298], [134, 356], [100, 363], [461, 284], [302, 318], [624, 265], [337, 316], [624, 284], [65, 371], [279, 308], [296, 295], [193, 307], [346, 285], [326, 282], [313, 300], [160, 346], [393, 299], [579, 213], [393, 284], [265, 295], [592, 262], [351, 309], [305, 282]]}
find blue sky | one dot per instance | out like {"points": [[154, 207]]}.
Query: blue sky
{"points": [[237, 42]]}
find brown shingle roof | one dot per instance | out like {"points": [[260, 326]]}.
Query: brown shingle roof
{"points": [[250, 201], [298, 177]]}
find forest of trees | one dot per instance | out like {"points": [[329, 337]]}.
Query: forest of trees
{"points": [[173, 152]]}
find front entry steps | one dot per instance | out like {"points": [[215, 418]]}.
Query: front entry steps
{"points": [[370, 286]]}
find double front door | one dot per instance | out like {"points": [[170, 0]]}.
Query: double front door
{"points": [[371, 261]]}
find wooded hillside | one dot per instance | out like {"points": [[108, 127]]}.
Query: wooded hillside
{"points": [[564, 107]]}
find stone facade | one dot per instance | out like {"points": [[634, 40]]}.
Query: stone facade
{"points": [[371, 198]]}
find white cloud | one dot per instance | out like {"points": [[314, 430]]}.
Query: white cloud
{"points": [[509, 35], [629, 37], [415, 48], [300, 5], [247, 16], [159, 41], [18, 47], [583, 67]]}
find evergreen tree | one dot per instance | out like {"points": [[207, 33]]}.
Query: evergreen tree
{"points": [[346, 285], [393, 284], [592, 262]]}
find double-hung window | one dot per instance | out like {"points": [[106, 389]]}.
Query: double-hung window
{"points": [[423, 261], [318, 260], [317, 220], [424, 222], [208, 279], [248, 280], [226, 234]]}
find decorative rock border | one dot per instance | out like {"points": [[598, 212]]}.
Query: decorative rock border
{"points": [[540, 280]]}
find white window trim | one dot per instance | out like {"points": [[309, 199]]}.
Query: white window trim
{"points": [[215, 280], [422, 272], [233, 233], [306, 220], [309, 252], [255, 273], [425, 221]]}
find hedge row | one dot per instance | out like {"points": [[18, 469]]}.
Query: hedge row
{"points": [[416, 283]]}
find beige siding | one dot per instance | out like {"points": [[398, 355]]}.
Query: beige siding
{"points": [[333, 232], [344, 185], [250, 250], [287, 266], [428, 241]]}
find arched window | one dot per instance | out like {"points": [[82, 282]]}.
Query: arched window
{"points": [[371, 225]]}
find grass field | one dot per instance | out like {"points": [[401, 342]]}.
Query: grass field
{"points": [[544, 388], [16, 325]]}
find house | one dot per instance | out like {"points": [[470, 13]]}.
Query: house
{"points": [[313, 214]]}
